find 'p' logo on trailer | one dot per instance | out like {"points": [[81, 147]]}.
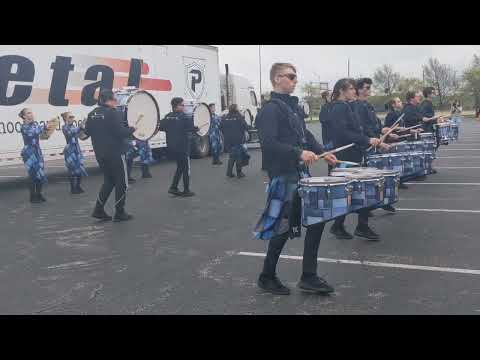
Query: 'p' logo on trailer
{"points": [[195, 77]]}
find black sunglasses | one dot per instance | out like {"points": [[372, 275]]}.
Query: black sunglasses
{"points": [[289, 76]]}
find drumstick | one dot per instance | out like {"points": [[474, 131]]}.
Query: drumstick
{"points": [[413, 127], [407, 135], [347, 162], [382, 138], [335, 150]]}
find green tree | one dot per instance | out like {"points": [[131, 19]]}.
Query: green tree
{"points": [[386, 79], [406, 84], [471, 78]]}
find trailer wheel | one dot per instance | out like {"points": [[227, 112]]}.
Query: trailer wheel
{"points": [[200, 147]]}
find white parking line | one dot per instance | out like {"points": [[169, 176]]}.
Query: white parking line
{"points": [[376, 264], [457, 167], [11, 176], [458, 157], [442, 210], [460, 150], [442, 183]]}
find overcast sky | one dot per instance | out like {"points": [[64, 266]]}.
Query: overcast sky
{"points": [[328, 63]]}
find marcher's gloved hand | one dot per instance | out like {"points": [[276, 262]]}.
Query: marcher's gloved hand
{"points": [[331, 159], [374, 141], [308, 157], [385, 129], [393, 136]]}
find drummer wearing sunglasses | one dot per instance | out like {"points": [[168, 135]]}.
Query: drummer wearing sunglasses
{"points": [[288, 148]]}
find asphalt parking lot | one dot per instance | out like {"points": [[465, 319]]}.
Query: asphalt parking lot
{"points": [[197, 255]]}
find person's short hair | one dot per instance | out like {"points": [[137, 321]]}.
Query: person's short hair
{"points": [[105, 95], [233, 108], [362, 81], [277, 67], [428, 91], [410, 95], [324, 94], [211, 104], [64, 115], [175, 102], [22, 113]]}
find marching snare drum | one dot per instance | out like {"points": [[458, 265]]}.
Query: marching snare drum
{"points": [[427, 136], [429, 157], [407, 165], [324, 198], [416, 145], [367, 188], [443, 131], [141, 111], [392, 181], [399, 147], [418, 159]]}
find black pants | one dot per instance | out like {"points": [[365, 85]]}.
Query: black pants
{"points": [[114, 176], [310, 251], [183, 168], [362, 219]]}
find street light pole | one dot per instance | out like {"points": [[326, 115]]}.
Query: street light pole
{"points": [[260, 68]]}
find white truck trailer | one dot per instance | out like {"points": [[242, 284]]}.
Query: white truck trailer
{"points": [[56, 78]]}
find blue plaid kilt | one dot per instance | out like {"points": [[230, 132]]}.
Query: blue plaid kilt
{"points": [[33, 160], [283, 211], [145, 152], [74, 160], [215, 144], [240, 154], [132, 152]]}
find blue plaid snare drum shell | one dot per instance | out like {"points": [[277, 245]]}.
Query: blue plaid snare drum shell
{"points": [[427, 136], [444, 131], [379, 161], [454, 131], [324, 198], [392, 181], [367, 188], [418, 160], [416, 146], [407, 164]]}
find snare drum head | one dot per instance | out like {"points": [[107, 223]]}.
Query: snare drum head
{"points": [[142, 113], [347, 170], [201, 118], [323, 180]]}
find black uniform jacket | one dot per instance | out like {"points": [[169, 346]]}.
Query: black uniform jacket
{"points": [[108, 132], [283, 134]]}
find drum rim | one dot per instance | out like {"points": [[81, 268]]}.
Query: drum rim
{"points": [[136, 91], [342, 181], [209, 112]]}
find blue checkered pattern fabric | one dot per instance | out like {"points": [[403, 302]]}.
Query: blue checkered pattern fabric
{"points": [[214, 135], [145, 152], [72, 153], [275, 219], [31, 153]]}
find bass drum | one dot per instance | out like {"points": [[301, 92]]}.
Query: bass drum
{"points": [[141, 111], [200, 141]]}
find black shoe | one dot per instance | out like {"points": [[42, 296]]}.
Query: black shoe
{"points": [[402, 186], [370, 214], [174, 191], [367, 233], [272, 285], [146, 172], [340, 233], [433, 171], [315, 284], [39, 193], [240, 175], [187, 193], [420, 178], [76, 191], [230, 175], [389, 208], [122, 216], [34, 199], [217, 162], [99, 213]]}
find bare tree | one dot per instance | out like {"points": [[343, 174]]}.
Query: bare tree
{"points": [[442, 77], [386, 78]]}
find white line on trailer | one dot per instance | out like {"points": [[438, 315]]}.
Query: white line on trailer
{"points": [[375, 264], [442, 183], [442, 210]]}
